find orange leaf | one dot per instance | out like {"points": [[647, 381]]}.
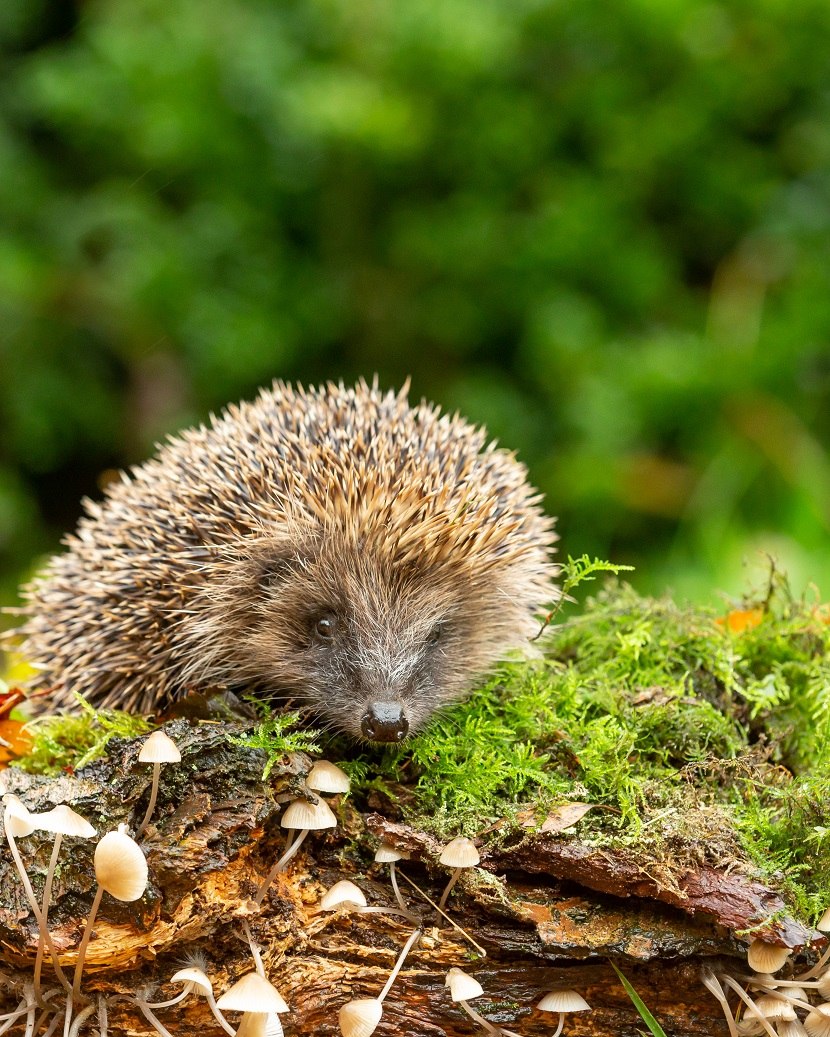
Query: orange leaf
{"points": [[14, 741], [739, 620]]}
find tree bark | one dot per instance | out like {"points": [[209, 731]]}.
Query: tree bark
{"points": [[548, 909]]}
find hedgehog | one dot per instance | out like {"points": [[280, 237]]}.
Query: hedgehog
{"points": [[335, 546]]}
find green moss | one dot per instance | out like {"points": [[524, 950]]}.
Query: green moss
{"points": [[63, 742], [278, 734], [701, 743]]}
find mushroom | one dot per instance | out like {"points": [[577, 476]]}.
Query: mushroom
{"points": [[18, 822], [791, 1029], [345, 895], [60, 821], [766, 957], [777, 1008], [817, 1023], [121, 871], [194, 981], [258, 1000], [387, 854], [303, 817], [159, 748], [563, 1002], [360, 1018], [464, 988], [327, 777], [461, 853]]}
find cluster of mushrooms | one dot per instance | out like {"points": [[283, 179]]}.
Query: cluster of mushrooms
{"points": [[121, 871], [769, 1004]]}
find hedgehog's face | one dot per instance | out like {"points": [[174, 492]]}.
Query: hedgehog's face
{"points": [[372, 649]]}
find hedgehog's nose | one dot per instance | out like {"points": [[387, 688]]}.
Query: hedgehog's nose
{"points": [[384, 722]]}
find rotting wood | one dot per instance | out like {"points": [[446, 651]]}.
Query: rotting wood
{"points": [[547, 910]]}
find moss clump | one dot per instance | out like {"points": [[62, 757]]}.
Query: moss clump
{"points": [[704, 737], [65, 743], [278, 734]]}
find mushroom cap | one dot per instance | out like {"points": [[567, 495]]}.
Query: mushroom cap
{"points": [[301, 814], [772, 1007], [563, 1001], [63, 820], [342, 892], [360, 1018], [766, 957], [386, 854], [252, 993], [790, 1029], [460, 853], [463, 987], [327, 777], [159, 748], [817, 1023], [16, 817], [195, 977], [823, 924], [120, 866]]}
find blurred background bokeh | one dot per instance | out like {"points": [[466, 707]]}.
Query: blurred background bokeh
{"points": [[600, 227]]}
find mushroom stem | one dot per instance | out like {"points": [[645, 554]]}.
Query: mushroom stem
{"points": [[815, 969], [173, 1000], [154, 791], [407, 947], [103, 1015], [79, 964], [44, 906], [151, 1019], [217, 1015], [281, 863], [30, 896], [558, 1029], [255, 954], [80, 1019], [473, 1014], [394, 879], [455, 925], [747, 1000], [448, 888]]}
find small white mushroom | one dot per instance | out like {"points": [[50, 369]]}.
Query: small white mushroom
{"points": [[464, 988], [60, 821], [360, 1018], [258, 1000], [459, 854], [766, 957], [121, 871], [18, 822], [327, 777], [563, 1002], [303, 817], [817, 1023], [387, 854], [343, 892], [159, 748]]}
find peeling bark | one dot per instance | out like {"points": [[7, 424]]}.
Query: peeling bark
{"points": [[548, 910]]}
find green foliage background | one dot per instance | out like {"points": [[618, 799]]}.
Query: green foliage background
{"points": [[601, 228]]}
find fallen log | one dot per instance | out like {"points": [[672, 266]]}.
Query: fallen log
{"points": [[547, 910]]}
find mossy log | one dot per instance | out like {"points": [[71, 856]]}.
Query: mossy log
{"points": [[548, 909]]}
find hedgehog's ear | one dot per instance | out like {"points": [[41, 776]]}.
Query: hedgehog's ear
{"points": [[273, 570]]}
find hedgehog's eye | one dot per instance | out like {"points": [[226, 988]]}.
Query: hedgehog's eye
{"points": [[325, 626]]}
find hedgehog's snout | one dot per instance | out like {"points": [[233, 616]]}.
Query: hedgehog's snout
{"points": [[384, 722]]}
